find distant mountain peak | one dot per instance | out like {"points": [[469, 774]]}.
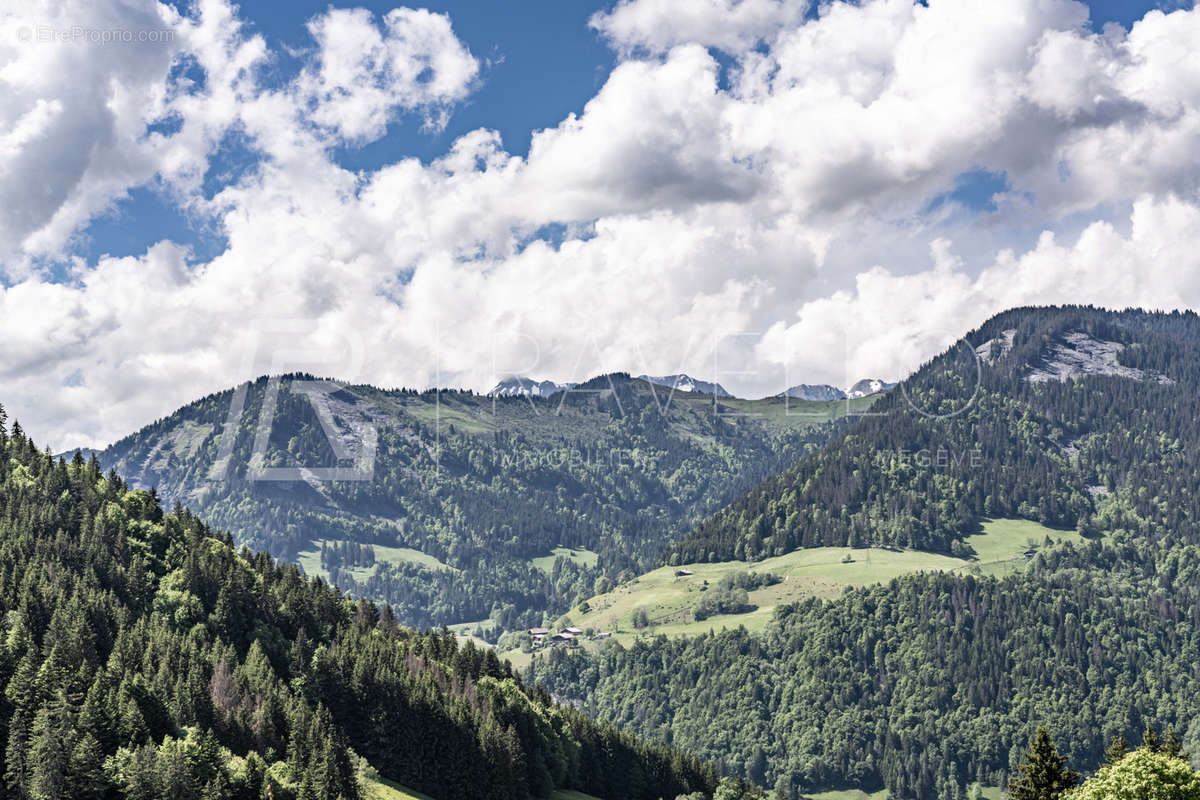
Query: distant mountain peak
{"points": [[683, 382], [817, 392], [520, 386], [869, 386], [824, 392]]}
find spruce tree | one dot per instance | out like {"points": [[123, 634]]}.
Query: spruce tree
{"points": [[1172, 746], [1117, 749], [1043, 774]]}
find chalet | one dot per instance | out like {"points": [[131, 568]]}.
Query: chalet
{"points": [[562, 638], [604, 635], [683, 573], [538, 633], [573, 631]]}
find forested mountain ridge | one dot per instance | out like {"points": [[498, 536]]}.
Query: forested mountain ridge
{"points": [[1082, 418], [998, 426], [923, 686], [144, 657], [480, 486]]}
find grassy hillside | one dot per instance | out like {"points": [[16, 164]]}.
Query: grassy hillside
{"points": [[1041, 414], [989, 792], [1073, 424], [454, 507], [1002, 545], [310, 560], [382, 789], [669, 600], [581, 556]]}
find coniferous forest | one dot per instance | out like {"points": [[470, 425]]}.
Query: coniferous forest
{"points": [[481, 485], [1051, 451], [143, 656], [600, 400], [929, 684]]}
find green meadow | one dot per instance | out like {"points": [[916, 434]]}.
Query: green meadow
{"points": [[310, 559], [579, 555], [383, 789], [668, 599]]}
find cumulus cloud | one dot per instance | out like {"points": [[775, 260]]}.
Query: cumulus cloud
{"points": [[365, 75], [73, 114], [104, 97], [730, 25], [655, 136], [786, 217], [888, 324]]}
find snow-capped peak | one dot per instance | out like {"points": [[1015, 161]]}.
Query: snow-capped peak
{"points": [[520, 386], [819, 392], [868, 386], [686, 383]]}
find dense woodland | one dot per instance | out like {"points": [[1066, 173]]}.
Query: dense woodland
{"points": [[1002, 447], [924, 685], [620, 467], [142, 656]]}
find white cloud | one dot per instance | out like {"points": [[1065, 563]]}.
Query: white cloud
{"points": [[889, 324], [364, 75], [71, 111], [779, 214], [731, 25], [654, 137]]}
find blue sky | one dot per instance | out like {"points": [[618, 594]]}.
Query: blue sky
{"points": [[881, 182], [542, 62]]}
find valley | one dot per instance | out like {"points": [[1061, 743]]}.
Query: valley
{"points": [[600, 400], [669, 599], [466, 500], [873, 596]]}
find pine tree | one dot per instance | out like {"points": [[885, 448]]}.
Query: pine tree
{"points": [[1151, 740], [1172, 746], [16, 756], [50, 749], [87, 769], [1117, 749], [1043, 774]]}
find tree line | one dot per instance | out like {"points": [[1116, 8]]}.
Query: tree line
{"points": [[143, 656], [483, 486]]}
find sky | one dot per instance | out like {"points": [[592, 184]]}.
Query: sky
{"points": [[758, 192]]}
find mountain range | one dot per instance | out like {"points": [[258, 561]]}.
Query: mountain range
{"points": [[686, 383], [1042, 471], [455, 507], [823, 392], [1027, 499], [520, 386]]}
